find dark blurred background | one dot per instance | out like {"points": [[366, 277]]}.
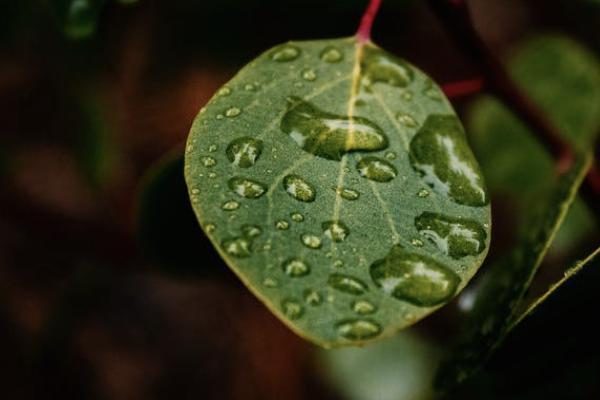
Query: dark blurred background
{"points": [[109, 290]]}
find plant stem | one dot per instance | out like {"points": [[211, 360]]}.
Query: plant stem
{"points": [[456, 18], [364, 30], [467, 87]]}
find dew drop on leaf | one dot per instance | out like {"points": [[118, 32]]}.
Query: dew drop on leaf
{"points": [[282, 225], [311, 241], [363, 307], [358, 329], [233, 112], [378, 66], [312, 297], [347, 284], [407, 120], [208, 162], [335, 230], [297, 217], [292, 309], [237, 247], [308, 74], [285, 53], [230, 205], [244, 152], [295, 268], [376, 169], [251, 231], [331, 54], [299, 188]]}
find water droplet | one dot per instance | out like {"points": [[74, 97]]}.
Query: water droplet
{"points": [[208, 162], [432, 91], [376, 169], [292, 309], [251, 231], [347, 284], [455, 237], [224, 91], [270, 282], [311, 241], [379, 66], [407, 120], [244, 152], [282, 225], [338, 264], [414, 278], [210, 228], [390, 155], [328, 135], [233, 112], [212, 175], [195, 191], [358, 329], [250, 87], [423, 193], [331, 54], [440, 154], [309, 74], [299, 188], [335, 230], [212, 148], [295, 268], [230, 205], [237, 247], [220, 116], [312, 297], [416, 242], [297, 217], [298, 84], [363, 307], [347, 194], [286, 52], [246, 187], [407, 95]]}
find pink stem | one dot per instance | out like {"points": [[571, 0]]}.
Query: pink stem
{"points": [[366, 23], [467, 87]]}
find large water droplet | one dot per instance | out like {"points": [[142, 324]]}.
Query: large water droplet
{"points": [[335, 230], [292, 309], [247, 188], [328, 135], [358, 329], [295, 268], [243, 152], [286, 52], [414, 278], [376, 169], [237, 247], [331, 54], [440, 154], [299, 188], [347, 284], [455, 237], [378, 66], [311, 241], [230, 205], [363, 307]]}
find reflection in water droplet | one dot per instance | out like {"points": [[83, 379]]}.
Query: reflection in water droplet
{"points": [[376, 169], [328, 135], [347, 194], [297, 217], [455, 237], [308, 74], [423, 193], [363, 307], [312, 297], [414, 278], [233, 112], [208, 162], [246, 187], [407, 120], [335, 230], [378, 66], [230, 205], [270, 282], [440, 154], [237, 247], [295, 268], [243, 152], [286, 52], [292, 309], [282, 225], [224, 91], [331, 54], [251, 231], [347, 284], [299, 188], [311, 241], [358, 329]]}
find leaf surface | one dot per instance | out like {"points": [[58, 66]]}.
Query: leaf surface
{"points": [[336, 181]]}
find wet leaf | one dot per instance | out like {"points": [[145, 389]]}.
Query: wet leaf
{"points": [[498, 297], [329, 172]]}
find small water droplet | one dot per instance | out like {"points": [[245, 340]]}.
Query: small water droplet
{"points": [[224, 91], [284, 53], [212, 148], [270, 282], [212, 175], [251, 231], [299, 188], [390, 155], [363, 307], [311, 241], [230, 205], [407, 120], [208, 162], [416, 242], [431, 90], [220, 116], [335, 230], [407, 95], [347, 284], [237, 247], [331, 54], [347, 194], [244, 152], [358, 329], [282, 225], [297, 217], [423, 193], [249, 87], [233, 112], [195, 191], [376, 169], [210, 228], [298, 84], [312, 297], [292, 309], [308, 74], [295, 268], [246, 188], [338, 264]]}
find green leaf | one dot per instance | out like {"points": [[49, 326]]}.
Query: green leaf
{"points": [[336, 181], [498, 297]]}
